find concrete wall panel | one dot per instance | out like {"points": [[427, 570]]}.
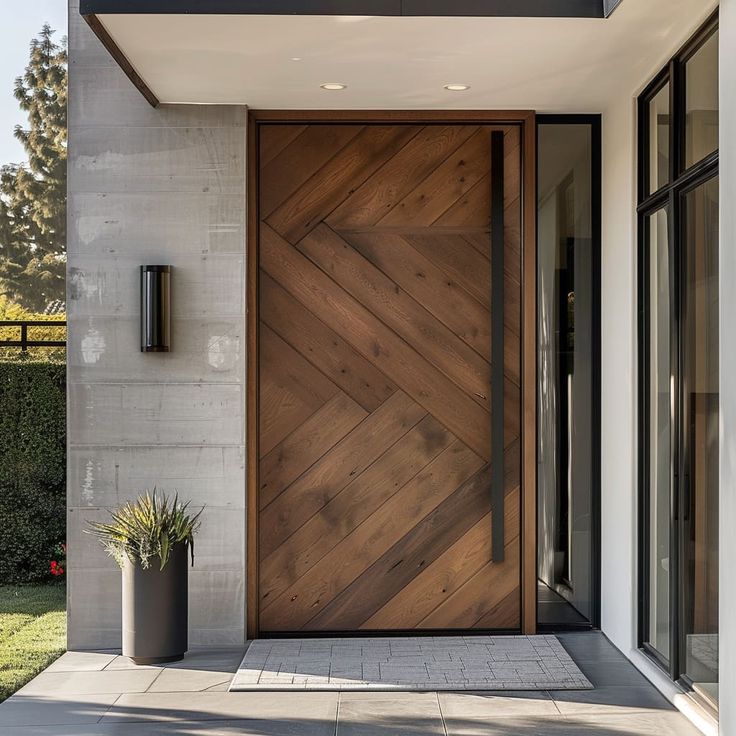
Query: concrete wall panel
{"points": [[151, 185], [140, 224], [106, 475]]}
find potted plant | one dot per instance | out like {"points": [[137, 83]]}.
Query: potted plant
{"points": [[151, 539]]}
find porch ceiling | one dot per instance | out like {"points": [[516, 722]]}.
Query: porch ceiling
{"points": [[550, 64]]}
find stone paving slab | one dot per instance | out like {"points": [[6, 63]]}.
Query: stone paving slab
{"points": [[441, 663]]}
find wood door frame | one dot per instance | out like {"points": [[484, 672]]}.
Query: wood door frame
{"points": [[525, 119]]}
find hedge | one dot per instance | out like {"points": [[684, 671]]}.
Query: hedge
{"points": [[32, 467]]}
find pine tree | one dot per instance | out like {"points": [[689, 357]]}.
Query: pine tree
{"points": [[33, 194]]}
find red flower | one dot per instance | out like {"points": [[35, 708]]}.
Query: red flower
{"points": [[56, 569]]}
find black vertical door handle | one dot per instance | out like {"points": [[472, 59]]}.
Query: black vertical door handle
{"points": [[497, 348]]}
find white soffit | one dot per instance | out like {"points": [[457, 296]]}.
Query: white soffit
{"points": [[547, 64]]}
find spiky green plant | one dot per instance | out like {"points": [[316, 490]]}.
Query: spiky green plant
{"points": [[147, 528]]}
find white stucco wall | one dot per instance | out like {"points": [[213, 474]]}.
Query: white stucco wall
{"points": [[727, 296], [619, 441], [618, 375], [154, 186]]}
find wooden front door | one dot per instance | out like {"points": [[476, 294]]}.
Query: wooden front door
{"points": [[375, 377]]}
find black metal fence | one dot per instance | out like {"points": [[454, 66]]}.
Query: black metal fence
{"points": [[21, 339]]}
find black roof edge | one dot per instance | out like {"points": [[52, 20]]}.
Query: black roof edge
{"points": [[468, 8]]}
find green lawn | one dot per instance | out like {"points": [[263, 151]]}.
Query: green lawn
{"points": [[32, 632]]}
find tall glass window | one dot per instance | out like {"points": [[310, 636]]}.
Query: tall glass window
{"points": [[659, 138], [701, 101], [568, 274], [700, 512], [678, 376], [659, 350]]}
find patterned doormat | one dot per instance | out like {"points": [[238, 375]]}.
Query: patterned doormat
{"points": [[410, 663]]}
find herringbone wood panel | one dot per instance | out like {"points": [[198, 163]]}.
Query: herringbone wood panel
{"points": [[375, 376]]}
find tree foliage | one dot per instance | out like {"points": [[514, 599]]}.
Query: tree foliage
{"points": [[33, 194]]}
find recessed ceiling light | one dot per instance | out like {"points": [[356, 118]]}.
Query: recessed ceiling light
{"points": [[295, 58], [333, 86], [457, 87]]}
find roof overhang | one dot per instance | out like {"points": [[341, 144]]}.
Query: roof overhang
{"points": [[426, 8], [549, 55]]}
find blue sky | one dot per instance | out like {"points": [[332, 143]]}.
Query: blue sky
{"points": [[19, 23]]}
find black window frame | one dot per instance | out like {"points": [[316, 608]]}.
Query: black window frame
{"points": [[670, 197], [594, 121]]}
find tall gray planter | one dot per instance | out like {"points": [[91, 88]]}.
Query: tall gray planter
{"points": [[155, 609]]}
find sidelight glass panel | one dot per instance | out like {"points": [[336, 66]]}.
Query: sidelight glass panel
{"points": [[701, 102], [701, 394], [567, 261], [659, 139], [660, 430]]}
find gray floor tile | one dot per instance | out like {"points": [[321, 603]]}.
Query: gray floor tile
{"points": [[590, 646], [513, 726], [189, 698], [278, 706], [604, 674], [182, 728], [393, 697], [81, 662], [634, 724], [402, 715], [183, 680], [226, 660], [610, 699], [55, 711], [494, 705], [90, 683]]}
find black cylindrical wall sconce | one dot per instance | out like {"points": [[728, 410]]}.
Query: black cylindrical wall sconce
{"points": [[155, 309]]}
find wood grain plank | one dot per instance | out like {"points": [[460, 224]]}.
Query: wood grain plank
{"points": [[428, 285], [396, 568], [307, 444], [465, 265], [273, 140], [445, 185], [477, 596], [290, 390], [343, 174], [329, 475], [405, 366], [472, 210], [446, 249], [286, 367], [355, 553], [399, 176], [404, 315], [385, 477], [323, 347], [288, 171], [503, 615], [439, 579]]}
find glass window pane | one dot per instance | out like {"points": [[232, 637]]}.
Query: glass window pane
{"points": [[701, 102], [660, 406], [701, 396], [659, 139], [566, 327]]}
